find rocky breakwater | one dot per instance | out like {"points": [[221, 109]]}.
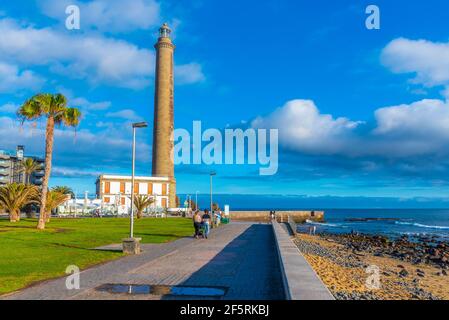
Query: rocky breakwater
{"points": [[281, 216], [407, 268], [427, 250]]}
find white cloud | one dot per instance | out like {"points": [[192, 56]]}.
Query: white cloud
{"points": [[408, 130], [302, 127], [126, 114], [94, 151], [93, 57], [73, 172], [428, 60], [84, 104], [424, 118], [399, 132], [108, 15], [89, 105], [9, 108], [421, 128], [445, 93], [189, 74], [13, 79]]}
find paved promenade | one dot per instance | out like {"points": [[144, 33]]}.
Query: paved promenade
{"points": [[240, 258]]}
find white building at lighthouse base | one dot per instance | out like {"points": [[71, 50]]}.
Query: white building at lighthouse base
{"points": [[115, 191]]}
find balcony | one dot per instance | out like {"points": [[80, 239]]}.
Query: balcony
{"points": [[39, 174], [4, 164]]}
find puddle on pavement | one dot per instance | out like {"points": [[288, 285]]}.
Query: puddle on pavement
{"points": [[160, 290]]}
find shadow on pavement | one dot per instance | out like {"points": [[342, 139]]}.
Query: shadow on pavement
{"points": [[248, 267]]}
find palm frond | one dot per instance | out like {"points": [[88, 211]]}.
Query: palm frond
{"points": [[54, 200], [141, 202], [29, 166], [64, 190], [14, 196], [31, 110], [72, 117]]}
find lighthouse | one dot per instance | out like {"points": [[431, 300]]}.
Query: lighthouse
{"points": [[163, 144]]}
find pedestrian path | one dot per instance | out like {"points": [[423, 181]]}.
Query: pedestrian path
{"points": [[239, 259]]}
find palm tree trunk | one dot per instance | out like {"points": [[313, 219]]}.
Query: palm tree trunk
{"points": [[13, 216], [49, 138]]}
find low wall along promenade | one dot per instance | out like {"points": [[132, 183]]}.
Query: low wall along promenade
{"points": [[281, 216], [299, 279]]}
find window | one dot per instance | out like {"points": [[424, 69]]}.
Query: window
{"points": [[122, 187], [107, 200], [164, 189], [164, 203], [150, 188], [107, 187], [136, 188]]}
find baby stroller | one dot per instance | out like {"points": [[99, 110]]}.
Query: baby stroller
{"points": [[202, 231]]}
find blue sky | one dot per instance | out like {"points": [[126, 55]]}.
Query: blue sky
{"points": [[360, 112]]}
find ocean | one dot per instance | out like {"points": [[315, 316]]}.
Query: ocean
{"points": [[406, 219], [388, 222]]}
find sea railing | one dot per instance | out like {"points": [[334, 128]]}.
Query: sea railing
{"points": [[293, 225]]}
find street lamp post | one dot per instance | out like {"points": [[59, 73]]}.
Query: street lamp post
{"points": [[86, 195], [135, 126], [76, 205], [213, 173], [196, 201]]}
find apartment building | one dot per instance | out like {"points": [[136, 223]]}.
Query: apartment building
{"points": [[11, 167], [115, 190]]}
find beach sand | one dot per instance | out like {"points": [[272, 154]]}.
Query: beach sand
{"points": [[344, 272]]}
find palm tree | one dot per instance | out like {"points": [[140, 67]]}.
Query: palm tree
{"points": [[54, 108], [141, 202], [29, 166], [54, 200], [14, 197], [64, 190]]}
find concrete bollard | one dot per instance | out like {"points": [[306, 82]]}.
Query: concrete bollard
{"points": [[131, 246]]}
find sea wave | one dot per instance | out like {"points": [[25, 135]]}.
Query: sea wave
{"points": [[322, 224], [419, 225]]}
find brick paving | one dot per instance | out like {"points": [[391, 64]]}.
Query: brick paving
{"points": [[240, 257]]}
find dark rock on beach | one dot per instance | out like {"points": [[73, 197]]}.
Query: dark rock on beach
{"points": [[426, 250], [409, 269], [403, 273]]}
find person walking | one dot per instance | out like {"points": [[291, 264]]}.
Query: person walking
{"points": [[218, 216], [197, 219], [206, 223]]}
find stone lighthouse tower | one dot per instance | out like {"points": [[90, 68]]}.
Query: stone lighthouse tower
{"points": [[163, 144]]}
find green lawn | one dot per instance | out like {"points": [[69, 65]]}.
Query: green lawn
{"points": [[28, 255]]}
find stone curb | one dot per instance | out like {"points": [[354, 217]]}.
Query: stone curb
{"points": [[299, 279]]}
